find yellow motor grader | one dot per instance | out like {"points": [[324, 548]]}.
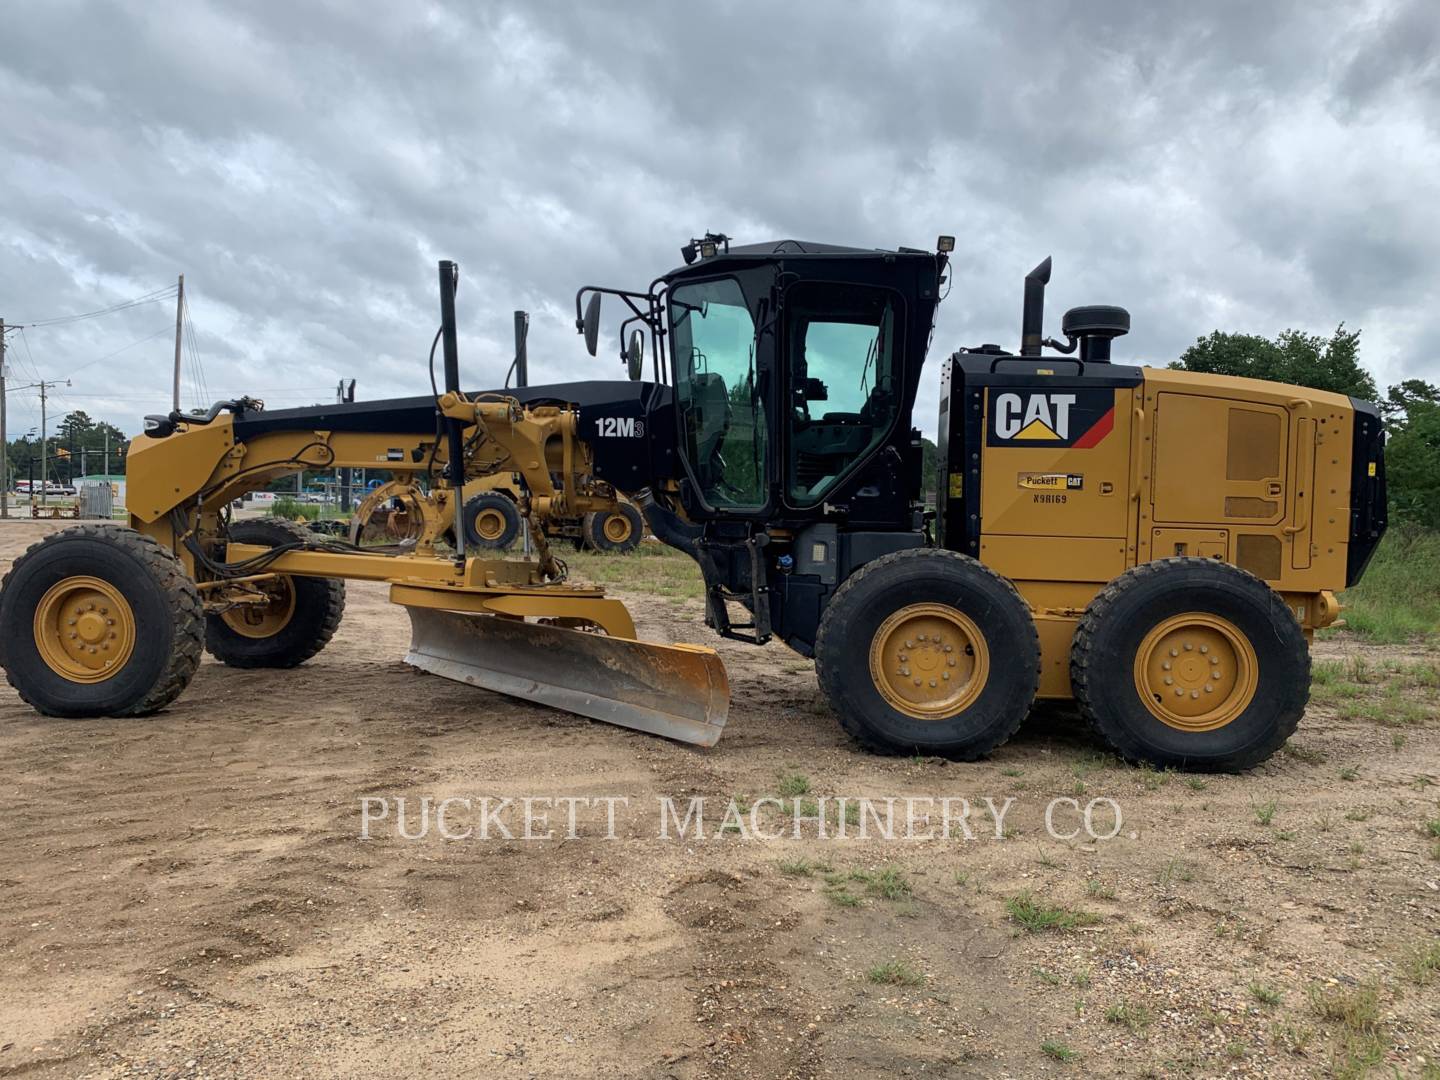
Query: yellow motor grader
{"points": [[1155, 544]]}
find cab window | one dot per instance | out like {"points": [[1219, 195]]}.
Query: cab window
{"points": [[722, 414], [844, 382]]}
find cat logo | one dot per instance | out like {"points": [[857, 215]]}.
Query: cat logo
{"points": [[1078, 418]]}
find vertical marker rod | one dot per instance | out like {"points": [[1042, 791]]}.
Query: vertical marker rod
{"points": [[449, 277]]}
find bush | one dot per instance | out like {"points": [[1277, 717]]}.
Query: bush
{"points": [[294, 510], [1399, 596]]}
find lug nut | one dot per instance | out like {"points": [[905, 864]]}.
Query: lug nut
{"points": [[932, 683], [904, 671], [1169, 681], [1209, 689], [903, 658], [1174, 652], [1165, 666], [1188, 646], [1194, 693], [917, 682], [1179, 692], [951, 661], [944, 675], [1204, 648]]}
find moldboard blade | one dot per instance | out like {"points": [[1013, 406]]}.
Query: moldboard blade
{"points": [[678, 691]]}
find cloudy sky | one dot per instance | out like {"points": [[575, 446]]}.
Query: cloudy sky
{"points": [[1226, 165]]}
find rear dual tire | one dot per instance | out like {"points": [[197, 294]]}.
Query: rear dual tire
{"points": [[1192, 664], [616, 531]]}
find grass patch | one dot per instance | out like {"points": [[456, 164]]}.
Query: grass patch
{"points": [[793, 785], [1134, 1017], [1399, 598], [894, 973], [650, 568], [1058, 1052], [1422, 963], [1036, 917], [1265, 995], [888, 884], [1265, 812]]}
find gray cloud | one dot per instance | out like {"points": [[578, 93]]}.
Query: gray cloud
{"points": [[1238, 165]]}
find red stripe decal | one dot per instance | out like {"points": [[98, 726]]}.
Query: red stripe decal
{"points": [[1098, 431]]}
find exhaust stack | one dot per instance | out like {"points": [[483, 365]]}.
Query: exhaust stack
{"points": [[1033, 316]]}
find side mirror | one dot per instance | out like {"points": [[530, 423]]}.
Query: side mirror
{"points": [[591, 323], [816, 390], [635, 355]]}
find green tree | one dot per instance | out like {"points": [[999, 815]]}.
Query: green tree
{"points": [[1294, 357], [1412, 453]]}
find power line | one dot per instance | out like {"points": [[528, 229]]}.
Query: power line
{"points": [[117, 352], [139, 301]]}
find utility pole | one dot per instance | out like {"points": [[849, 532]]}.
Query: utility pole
{"points": [[179, 313], [44, 385], [344, 395], [107, 454]]}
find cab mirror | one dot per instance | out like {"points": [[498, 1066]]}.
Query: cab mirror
{"points": [[635, 355], [591, 323]]}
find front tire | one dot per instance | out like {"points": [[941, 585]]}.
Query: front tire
{"points": [[99, 620], [1191, 664], [301, 618], [928, 651]]}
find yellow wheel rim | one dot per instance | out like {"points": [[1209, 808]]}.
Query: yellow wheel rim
{"points": [[84, 629], [617, 528], [1196, 672], [929, 661], [489, 524], [264, 620]]}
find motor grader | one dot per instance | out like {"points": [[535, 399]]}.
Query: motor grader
{"points": [[1157, 545]]}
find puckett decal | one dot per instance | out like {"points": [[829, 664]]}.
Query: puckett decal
{"points": [[1078, 418]]}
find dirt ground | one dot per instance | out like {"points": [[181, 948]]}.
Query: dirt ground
{"points": [[190, 895]]}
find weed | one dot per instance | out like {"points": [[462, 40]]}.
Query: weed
{"points": [[1304, 754], [1047, 862], [1358, 814], [796, 867], [894, 973], [1098, 889], [1134, 1017], [1175, 870], [1058, 1051], [1350, 773], [1195, 783], [843, 897], [1082, 979], [1049, 978], [1035, 916], [1421, 964], [1265, 812], [793, 785], [1285, 834], [1432, 828], [1265, 995], [1011, 770], [1398, 741], [1236, 1049], [1294, 1039]]}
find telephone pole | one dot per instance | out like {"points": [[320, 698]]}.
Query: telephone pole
{"points": [[179, 313], [43, 385]]}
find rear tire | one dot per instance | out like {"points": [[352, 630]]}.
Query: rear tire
{"points": [[300, 621], [618, 531], [928, 651], [108, 589], [1193, 664], [491, 521]]}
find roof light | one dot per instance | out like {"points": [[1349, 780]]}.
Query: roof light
{"points": [[945, 245]]}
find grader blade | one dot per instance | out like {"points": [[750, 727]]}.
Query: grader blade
{"points": [[678, 691]]}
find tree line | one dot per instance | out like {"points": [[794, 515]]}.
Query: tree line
{"points": [[76, 448]]}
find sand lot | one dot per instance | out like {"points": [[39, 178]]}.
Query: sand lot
{"points": [[189, 895]]}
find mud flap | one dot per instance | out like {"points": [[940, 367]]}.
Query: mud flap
{"points": [[678, 691]]}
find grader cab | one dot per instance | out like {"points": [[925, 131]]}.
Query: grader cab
{"points": [[1154, 544]]}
